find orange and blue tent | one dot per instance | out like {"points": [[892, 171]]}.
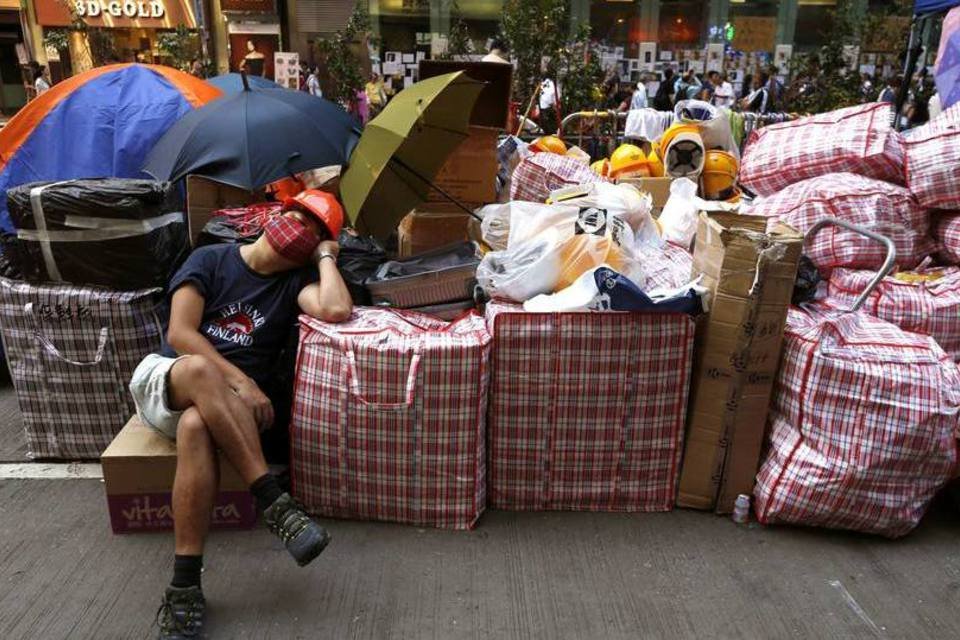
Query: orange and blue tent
{"points": [[101, 123]]}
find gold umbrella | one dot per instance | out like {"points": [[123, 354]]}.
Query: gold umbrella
{"points": [[403, 148]]}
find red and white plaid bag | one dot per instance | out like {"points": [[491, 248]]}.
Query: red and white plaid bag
{"points": [[71, 352], [930, 307], [879, 206], [863, 425], [855, 139], [933, 161], [536, 176], [587, 410], [945, 228], [668, 267], [389, 416]]}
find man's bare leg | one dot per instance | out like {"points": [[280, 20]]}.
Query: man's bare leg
{"points": [[197, 382], [196, 483]]}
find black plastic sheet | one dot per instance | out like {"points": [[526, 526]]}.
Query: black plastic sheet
{"points": [[808, 277], [360, 257], [122, 234]]}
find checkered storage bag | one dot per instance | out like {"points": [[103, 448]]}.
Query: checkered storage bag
{"points": [[855, 139], [536, 176], [863, 425], [389, 418], [882, 207], [917, 305], [587, 410], [666, 267], [71, 352], [946, 232], [933, 161]]}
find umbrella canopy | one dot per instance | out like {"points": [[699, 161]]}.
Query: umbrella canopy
{"points": [[947, 69], [252, 138], [97, 124], [402, 149], [233, 83], [921, 7]]}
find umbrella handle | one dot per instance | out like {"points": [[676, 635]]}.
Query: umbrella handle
{"points": [[430, 183]]}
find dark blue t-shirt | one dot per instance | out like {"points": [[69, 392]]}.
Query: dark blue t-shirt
{"points": [[246, 316]]}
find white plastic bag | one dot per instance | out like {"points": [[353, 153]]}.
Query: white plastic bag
{"points": [[522, 271], [714, 123], [622, 200], [678, 221]]}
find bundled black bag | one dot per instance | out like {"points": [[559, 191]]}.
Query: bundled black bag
{"points": [[360, 256], [119, 233]]}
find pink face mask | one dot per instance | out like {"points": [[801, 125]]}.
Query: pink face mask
{"points": [[291, 239]]}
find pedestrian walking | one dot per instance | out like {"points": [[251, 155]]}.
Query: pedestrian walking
{"points": [[663, 99], [548, 105], [758, 101], [313, 82], [499, 51], [41, 80], [889, 93]]}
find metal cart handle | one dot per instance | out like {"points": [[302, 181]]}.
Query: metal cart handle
{"points": [[888, 263]]}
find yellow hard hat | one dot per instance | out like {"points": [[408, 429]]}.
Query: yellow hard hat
{"points": [[683, 151], [601, 167], [654, 162], [719, 177], [628, 159], [548, 144]]}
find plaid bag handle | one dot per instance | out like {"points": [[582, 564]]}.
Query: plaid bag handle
{"points": [[56, 353], [411, 385]]}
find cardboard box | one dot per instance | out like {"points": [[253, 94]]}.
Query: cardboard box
{"points": [[658, 188], [492, 108], [204, 196], [737, 353], [433, 227], [470, 172], [138, 470]]}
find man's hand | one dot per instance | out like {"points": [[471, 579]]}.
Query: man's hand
{"points": [[257, 401]]}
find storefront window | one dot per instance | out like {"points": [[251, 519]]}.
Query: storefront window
{"points": [[611, 23], [681, 23], [813, 22], [401, 21], [482, 18]]}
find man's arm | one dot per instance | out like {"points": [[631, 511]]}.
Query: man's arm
{"points": [[327, 300], [186, 313]]}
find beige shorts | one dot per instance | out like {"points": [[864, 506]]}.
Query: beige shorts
{"points": [[149, 388]]}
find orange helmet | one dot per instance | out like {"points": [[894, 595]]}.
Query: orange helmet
{"points": [[601, 167], [719, 176], [549, 144], [321, 205], [628, 159]]}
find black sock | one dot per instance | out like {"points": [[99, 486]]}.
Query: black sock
{"points": [[266, 490], [186, 571]]}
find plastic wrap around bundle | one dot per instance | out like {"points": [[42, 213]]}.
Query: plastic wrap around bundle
{"points": [[536, 176], [123, 234], [945, 228], [665, 267], [855, 139], [925, 302], [882, 207], [71, 352], [713, 121], [933, 161], [389, 418], [863, 425]]}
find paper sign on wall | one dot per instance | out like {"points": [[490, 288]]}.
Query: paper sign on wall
{"points": [[286, 69]]}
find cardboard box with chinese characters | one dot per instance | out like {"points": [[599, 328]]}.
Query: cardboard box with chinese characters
{"points": [[138, 470], [470, 172], [750, 271]]}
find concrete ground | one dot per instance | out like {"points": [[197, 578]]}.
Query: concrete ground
{"points": [[63, 574]]}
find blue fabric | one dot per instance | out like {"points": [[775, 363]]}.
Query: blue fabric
{"points": [[105, 128], [929, 6], [619, 293], [233, 83], [246, 316]]}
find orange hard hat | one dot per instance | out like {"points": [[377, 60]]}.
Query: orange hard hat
{"points": [[629, 159], [719, 177], [321, 205], [601, 167], [549, 144]]}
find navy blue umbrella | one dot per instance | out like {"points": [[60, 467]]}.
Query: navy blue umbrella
{"points": [[252, 138], [233, 82]]}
